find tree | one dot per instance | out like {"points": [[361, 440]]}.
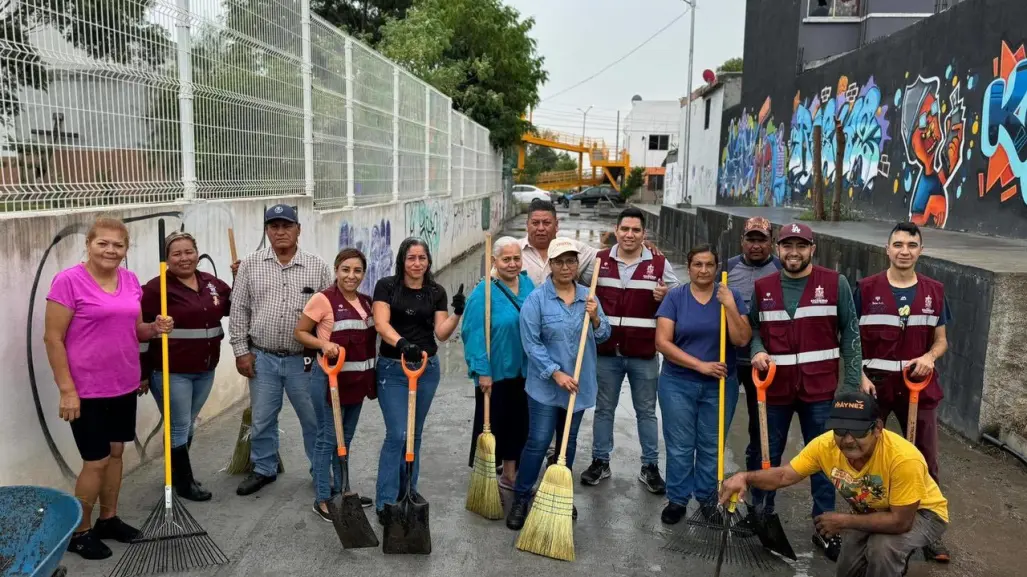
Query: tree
{"points": [[634, 181], [362, 19], [107, 30], [541, 159], [730, 65], [477, 52]]}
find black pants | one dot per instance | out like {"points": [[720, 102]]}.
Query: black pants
{"points": [[509, 414], [753, 452]]}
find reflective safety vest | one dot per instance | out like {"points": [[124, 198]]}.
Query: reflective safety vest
{"points": [[630, 307], [804, 347], [888, 346], [358, 337]]}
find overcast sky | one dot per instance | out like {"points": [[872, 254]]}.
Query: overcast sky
{"points": [[580, 37]]}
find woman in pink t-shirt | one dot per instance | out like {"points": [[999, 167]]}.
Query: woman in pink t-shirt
{"points": [[94, 325]]}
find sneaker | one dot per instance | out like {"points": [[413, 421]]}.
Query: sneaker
{"points": [[88, 546], [322, 514], [366, 502], [116, 529], [253, 483], [596, 472], [650, 477], [518, 513], [831, 546], [673, 513], [937, 552]]}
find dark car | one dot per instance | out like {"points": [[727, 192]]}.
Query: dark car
{"points": [[592, 195]]}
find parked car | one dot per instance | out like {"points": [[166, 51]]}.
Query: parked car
{"points": [[592, 195], [525, 193]]}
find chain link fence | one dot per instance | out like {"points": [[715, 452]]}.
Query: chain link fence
{"points": [[139, 102]]}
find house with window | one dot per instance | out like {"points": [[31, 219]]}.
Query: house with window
{"points": [[650, 132]]}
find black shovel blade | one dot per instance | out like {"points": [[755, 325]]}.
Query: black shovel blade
{"points": [[351, 523], [406, 526], [771, 534]]}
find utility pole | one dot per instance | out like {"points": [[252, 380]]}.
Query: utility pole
{"points": [[688, 100], [581, 156], [616, 148]]}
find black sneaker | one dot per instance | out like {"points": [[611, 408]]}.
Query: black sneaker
{"points": [[673, 513], [596, 472], [322, 514], [116, 529], [381, 517], [518, 513], [253, 483], [366, 502], [831, 546], [650, 477], [574, 512], [88, 546], [937, 552]]}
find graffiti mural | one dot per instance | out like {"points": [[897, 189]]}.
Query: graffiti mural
{"points": [[864, 122], [753, 162], [425, 221], [376, 244], [1004, 127]]}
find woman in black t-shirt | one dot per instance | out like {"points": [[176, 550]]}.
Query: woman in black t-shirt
{"points": [[410, 313]]}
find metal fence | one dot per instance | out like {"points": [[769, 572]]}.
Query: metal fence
{"points": [[147, 101]]}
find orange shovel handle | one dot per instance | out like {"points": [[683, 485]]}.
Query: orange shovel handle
{"points": [[333, 389], [914, 399], [762, 384], [412, 376]]}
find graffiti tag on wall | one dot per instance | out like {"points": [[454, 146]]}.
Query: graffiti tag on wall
{"points": [[376, 244], [753, 162], [425, 221], [1003, 119]]}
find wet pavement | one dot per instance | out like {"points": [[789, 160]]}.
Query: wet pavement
{"points": [[618, 532]]}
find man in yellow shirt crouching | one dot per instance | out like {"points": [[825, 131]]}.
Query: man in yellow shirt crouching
{"points": [[897, 507]]}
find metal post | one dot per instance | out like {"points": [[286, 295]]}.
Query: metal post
{"points": [[395, 133], [449, 150], [185, 101], [688, 98], [616, 149], [307, 68], [581, 158], [427, 141], [351, 196]]}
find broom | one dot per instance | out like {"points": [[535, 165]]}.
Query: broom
{"points": [[240, 462], [548, 530], [170, 539], [483, 493]]}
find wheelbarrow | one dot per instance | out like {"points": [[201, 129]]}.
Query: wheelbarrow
{"points": [[36, 524]]}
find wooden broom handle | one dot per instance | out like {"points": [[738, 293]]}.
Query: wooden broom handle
{"points": [[577, 368], [488, 326], [231, 247]]}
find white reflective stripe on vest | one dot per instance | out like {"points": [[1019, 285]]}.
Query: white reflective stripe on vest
{"points": [[770, 316], [633, 322], [885, 365], [885, 320], [807, 357], [357, 366], [800, 313], [196, 333], [352, 325], [631, 284], [922, 321]]}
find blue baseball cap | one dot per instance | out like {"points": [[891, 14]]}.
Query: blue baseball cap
{"points": [[281, 212]]}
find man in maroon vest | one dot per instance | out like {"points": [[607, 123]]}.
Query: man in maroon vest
{"points": [[903, 315], [804, 320], [632, 283]]}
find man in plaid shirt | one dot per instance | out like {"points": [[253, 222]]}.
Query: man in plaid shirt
{"points": [[272, 286]]}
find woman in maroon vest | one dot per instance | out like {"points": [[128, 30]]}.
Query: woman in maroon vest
{"points": [[342, 318]]}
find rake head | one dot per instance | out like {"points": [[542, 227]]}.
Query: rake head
{"points": [[705, 536]]}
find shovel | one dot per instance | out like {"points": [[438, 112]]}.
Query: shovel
{"points": [[914, 398], [767, 525], [345, 510], [406, 521]]}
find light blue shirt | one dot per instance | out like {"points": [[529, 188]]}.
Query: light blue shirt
{"points": [[550, 332], [508, 359]]}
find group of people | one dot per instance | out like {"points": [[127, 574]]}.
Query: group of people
{"points": [[287, 308]]}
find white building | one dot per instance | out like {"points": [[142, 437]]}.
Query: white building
{"points": [[650, 132], [707, 108]]}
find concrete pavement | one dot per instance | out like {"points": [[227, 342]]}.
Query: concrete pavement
{"points": [[618, 532]]}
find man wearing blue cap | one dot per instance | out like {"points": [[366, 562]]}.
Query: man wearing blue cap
{"points": [[272, 286]]}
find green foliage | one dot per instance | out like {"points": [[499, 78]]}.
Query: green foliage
{"points": [[477, 52], [361, 19], [730, 65], [541, 159], [633, 183]]}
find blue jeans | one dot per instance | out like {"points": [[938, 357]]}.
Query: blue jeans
{"points": [[643, 377], [326, 460], [542, 422], [189, 391], [691, 417], [276, 375], [812, 417], [392, 398]]}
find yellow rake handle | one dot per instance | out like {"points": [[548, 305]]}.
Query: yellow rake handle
{"points": [[720, 424]]}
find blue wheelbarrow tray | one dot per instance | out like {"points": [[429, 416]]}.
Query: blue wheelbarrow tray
{"points": [[36, 524]]}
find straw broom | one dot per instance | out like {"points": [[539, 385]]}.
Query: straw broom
{"points": [[549, 528], [483, 493]]}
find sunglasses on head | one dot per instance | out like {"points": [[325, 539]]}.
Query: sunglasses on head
{"points": [[856, 433]]}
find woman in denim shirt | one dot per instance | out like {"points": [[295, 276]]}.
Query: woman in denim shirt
{"points": [[551, 321]]}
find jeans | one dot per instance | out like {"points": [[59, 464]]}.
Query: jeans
{"points": [[542, 421], [326, 463], [274, 375], [691, 420], [643, 376], [392, 398], [873, 554], [812, 417], [189, 391]]}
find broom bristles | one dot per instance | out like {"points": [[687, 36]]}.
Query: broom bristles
{"points": [[549, 528], [241, 455], [483, 492]]}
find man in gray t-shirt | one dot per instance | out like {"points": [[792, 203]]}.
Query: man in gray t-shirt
{"points": [[756, 261]]}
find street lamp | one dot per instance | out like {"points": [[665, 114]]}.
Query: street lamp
{"points": [[688, 102], [581, 157]]}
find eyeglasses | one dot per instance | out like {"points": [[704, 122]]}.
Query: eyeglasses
{"points": [[856, 434], [563, 263]]}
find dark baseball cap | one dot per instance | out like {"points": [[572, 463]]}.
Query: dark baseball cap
{"points": [[757, 224], [855, 410], [795, 230], [281, 212]]}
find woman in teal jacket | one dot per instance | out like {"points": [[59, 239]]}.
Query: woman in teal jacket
{"points": [[504, 375]]}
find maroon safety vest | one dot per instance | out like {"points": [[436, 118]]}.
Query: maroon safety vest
{"points": [[887, 347], [804, 347], [359, 338], [630, 308]]}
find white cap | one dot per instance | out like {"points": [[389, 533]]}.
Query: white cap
{"points": [[561, 245]]}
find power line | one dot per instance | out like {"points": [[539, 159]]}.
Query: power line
{"points": [[619, 60]]}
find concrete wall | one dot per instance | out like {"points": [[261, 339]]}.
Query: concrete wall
{"points": [[39, 247], [647, 118], [971, 60], [704, 143]]}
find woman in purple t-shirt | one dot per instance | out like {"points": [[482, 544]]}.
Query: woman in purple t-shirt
{"points": [[94, 325]]}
